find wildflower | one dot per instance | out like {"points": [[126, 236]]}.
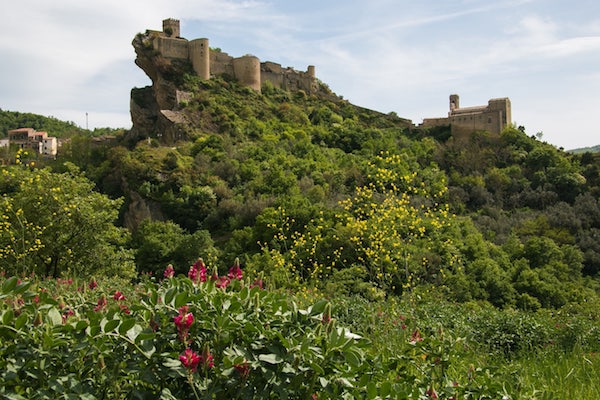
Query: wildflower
{"points": [[222, 282], [431, 393], [183, 321], [243, 369], [190, 359], [326, 318], [416, 337], [93, 284], [235, 272], [101, 303], [206, 359], [257, 283], [197, 272], [169, 272], [118, 296], [66, 315]]}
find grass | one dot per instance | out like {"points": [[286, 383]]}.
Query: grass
{"points": [[486, 351]]}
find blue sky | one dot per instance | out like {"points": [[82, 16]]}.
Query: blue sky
{"points": [[67, 57]]}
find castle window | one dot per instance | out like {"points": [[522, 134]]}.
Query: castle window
{"points": [[489, 120]]}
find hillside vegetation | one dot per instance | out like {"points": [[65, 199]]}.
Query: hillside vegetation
{"points": [[452, 268], [10, 120], [315, 191]]}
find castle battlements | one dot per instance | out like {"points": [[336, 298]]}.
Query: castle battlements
{"points": [[247, 69]]}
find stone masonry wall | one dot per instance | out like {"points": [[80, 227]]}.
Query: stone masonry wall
{"points": [[247, 69]]}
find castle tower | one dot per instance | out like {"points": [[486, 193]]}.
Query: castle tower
{"points": [[171, 27], [200, 57], [503, 107], [247, 70], [454, 102], [311, 71]]}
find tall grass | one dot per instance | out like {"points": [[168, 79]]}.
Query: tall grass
{"points": [[515, 354]]}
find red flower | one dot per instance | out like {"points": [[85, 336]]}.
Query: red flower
{"points": [[197, 272], [257, 283], [183, 321], [118, 296], [416, 337], [235, 272], [101, 303], [92, 285], [243, 369], [66, 315], [222, 282], [169, 272], [431, 393], [190, 359], [206, 359]]}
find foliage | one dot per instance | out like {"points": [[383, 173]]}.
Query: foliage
{"points": [[10, 120], [161, 243], [56, 223]]}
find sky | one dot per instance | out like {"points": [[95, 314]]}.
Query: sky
{"points": [[69, 58]]}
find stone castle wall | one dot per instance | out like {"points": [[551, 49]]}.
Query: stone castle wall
{"points": [[247, 69], [492, 118]]}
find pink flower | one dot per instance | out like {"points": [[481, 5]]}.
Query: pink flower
{"points": [[222, 282], [118, 296], [183, 321], [431, 393], [257, 283], [92, 285], [66, 315], [169, 272], [416, 337], [243, 369], [235, 272], [206, 359], [197, 272], [190, 359], [101, 303]]}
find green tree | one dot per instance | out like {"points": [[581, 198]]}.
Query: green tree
{"points": [[57, 223], [160, 243]]}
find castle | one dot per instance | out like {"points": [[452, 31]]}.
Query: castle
{"points": [[492, 118], [248, 69]]}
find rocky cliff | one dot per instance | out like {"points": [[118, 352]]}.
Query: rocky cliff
{"points": [[156, 110]]}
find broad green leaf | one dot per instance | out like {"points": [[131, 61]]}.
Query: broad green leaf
{"points": [[145, 334], [385, 389], [126, 325], [133, 333], [9, 284], [54, 316], [111, 325], [170, 295], [270, 358], [181, 300], [371, 390], [317, 368], [318, 307], [21, 321], [8, 316]]}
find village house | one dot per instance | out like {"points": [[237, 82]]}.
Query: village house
{"points": [[29, 138]]}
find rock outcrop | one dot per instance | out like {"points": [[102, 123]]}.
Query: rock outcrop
{"points": [[155, 110]]}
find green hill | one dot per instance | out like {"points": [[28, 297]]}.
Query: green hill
{"points": [[14, 119], [593, 149], [310, 188]]}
